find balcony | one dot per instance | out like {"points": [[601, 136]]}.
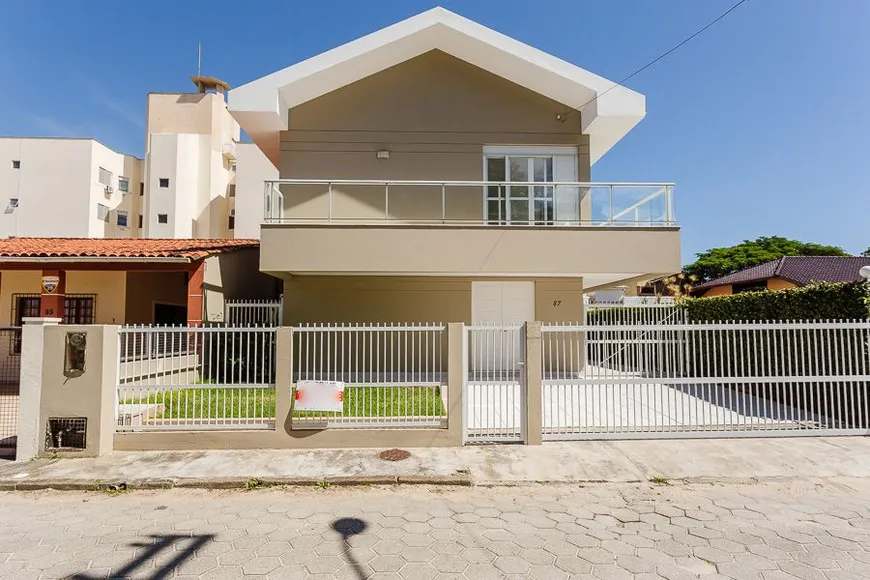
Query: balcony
{"points": [[608, 231], [229, 151], [469, 202]]}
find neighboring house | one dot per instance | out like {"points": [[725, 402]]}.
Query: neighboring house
{"points": [[185, 187], [439, 170], [785, 273], [95, 281]]}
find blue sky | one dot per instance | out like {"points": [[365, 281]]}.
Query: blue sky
{"points": [[763, 121]]}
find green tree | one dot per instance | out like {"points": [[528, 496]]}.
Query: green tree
{"points": [[866, 253], [718, 262]]}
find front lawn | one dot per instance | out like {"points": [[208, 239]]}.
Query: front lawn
{"points": [[253, 403]]}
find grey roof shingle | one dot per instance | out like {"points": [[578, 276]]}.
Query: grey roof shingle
{"points": [[801, 270]]}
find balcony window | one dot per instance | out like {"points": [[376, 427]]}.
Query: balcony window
{"points": [[525, 204]]}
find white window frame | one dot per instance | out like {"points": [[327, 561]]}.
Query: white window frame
{"points": [[124, 180], [126, 216], [111, 176], [532, 152]]}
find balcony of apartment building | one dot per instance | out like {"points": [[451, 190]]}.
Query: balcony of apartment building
{"points": [[518, 222]]}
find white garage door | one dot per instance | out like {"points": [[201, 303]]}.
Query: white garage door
{"points": [[502, 302], [497, 304]]}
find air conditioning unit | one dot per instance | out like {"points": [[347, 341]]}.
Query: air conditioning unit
{"points": [[109, 190]]}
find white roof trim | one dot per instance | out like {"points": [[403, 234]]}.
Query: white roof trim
{"points": [[261, 106]]}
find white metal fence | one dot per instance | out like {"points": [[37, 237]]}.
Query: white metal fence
{"points": [[494, 390], [394, 375], [705, 380], [254, 312], [609, 314], [201, 378]]}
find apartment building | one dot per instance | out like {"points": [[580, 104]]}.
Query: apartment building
{"points": [[75, 188], [185, 187]]}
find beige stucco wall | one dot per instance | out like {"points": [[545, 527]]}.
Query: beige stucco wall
{"points": [[780, 284], [235, 275], [434, 114], [469, 250], [412, 299], [146, 288], [719, 291], [108, 287]]}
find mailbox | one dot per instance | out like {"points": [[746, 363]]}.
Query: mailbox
{"points": [[74, 354]]}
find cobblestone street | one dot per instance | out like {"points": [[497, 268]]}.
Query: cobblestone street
{"points": [[767, 531]]}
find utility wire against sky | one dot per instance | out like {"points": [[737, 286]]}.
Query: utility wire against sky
{"points": [[660, 57]]}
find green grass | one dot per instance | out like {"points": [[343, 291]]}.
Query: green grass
{"points": [[252, 403], [387, 402]]}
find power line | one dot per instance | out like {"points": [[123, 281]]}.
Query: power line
{"points": [[663, 55]]}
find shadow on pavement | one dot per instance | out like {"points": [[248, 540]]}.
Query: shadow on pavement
{"points": [[160, 544], [348, 527]]}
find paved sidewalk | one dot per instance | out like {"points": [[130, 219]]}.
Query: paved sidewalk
{"points": [[615, 461], [770, 531]]}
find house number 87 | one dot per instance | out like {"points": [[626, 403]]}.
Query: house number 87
{"points": [[557, 302]]}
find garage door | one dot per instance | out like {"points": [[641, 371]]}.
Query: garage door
{"points": [[500, 304]]}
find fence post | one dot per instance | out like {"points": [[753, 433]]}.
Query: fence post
{"points": [[283, 378], [533, 427], [29, 425], [456, 382]]}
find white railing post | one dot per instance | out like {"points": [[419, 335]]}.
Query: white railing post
{"points": [[330, 201]]}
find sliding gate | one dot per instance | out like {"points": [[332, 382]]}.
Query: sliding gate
{"points": [[705, 380]]}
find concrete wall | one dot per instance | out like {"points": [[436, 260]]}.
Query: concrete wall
{"points": [[235, 275], [144, 289], [411, 299], [58, 189], [253, 169], [470, 250], [47, 393], [434, 113]]}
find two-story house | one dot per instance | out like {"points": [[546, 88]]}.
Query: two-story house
{"points": [[439, 170]]}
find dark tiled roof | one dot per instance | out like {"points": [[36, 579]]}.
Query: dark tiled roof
{"points": [[801, 270], [127, 248]]}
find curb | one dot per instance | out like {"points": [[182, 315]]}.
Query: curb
{"points": [[231, 483]]}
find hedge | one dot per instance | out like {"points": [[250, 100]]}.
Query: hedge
{"points": [[822, 301]]}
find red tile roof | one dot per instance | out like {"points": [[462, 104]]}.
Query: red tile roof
{"points": [[128, 248]]}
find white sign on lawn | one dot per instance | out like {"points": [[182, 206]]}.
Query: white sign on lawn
{"points": [[319, 396]]}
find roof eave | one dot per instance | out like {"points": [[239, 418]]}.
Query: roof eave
{"points": [[261, 106]]}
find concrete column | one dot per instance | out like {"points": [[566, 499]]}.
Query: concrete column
{"points": [[283, 378], [52, 301], [456, 382], [32, 346], [195, 278], [91, 395], [533, 428]]}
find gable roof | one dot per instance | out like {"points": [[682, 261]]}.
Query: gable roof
{"points": [[140, 249], [801, 270], [261, 106]]}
